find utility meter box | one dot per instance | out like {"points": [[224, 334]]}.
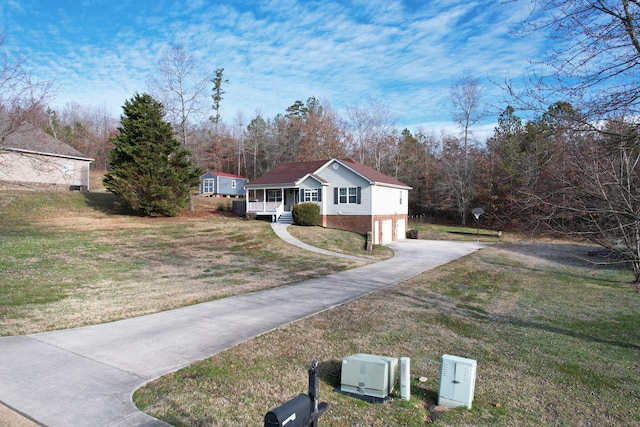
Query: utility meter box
{"points": [[369, 375], [457, 381]]}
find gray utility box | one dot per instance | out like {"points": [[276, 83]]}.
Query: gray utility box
{"points": [[457, 381], [369, 375]]}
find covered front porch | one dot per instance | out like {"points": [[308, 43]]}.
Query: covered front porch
{"points": [[272, 202]]}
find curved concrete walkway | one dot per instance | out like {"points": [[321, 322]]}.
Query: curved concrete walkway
{"points": [[281, 232], [87, 376]]}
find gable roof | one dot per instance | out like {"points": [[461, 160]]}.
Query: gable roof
{"points": [[29, 139], [371, 174], [221, 174], [290, 174]]}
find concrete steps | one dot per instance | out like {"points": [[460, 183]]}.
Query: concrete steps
{"points": [[285, 218]]}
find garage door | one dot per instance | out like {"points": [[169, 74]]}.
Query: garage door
{"points": [[401, 229], [387, 231]]}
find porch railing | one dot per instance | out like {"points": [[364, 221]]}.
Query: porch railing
{"points": [[270, 207]]}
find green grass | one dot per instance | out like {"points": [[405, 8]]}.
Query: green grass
{"points": [[550, 351], [71, 259], [447, 232], [339, 241], [45, 266], [557, 341]]}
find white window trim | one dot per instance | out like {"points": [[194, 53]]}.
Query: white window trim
{"points": [[274, 195], [350, 195], [310, 195]]}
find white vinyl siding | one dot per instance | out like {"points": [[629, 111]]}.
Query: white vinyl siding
{"points": [[345, 178], [387, 201]]}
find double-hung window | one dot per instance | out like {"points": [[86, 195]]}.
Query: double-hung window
{"points": [[274, 195], [347, 195], [311, 195]]}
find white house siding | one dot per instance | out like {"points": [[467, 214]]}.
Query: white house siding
{"points": [[44, 170], [310, 183], [341, 178], [387, 201], [390, 211]]}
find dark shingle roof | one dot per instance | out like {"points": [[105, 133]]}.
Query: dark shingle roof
{"points": [[290, 173], [372, 174], [28, 138]]}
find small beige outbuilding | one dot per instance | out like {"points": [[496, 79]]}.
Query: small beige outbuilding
{"points": [[30, 158]]}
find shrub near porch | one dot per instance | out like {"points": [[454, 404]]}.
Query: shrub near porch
{"points": [[306, 214]]}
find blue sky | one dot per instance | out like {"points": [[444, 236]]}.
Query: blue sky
{"points": [[405, 54]]}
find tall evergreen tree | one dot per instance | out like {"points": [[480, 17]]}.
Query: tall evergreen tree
{"points": [[150, 170]]}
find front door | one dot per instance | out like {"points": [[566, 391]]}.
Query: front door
{"points": [[290, 198]]}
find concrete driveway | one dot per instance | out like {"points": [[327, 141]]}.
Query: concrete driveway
{"points": [[87, 376]]}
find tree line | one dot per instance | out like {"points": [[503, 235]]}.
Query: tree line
{"points": [[573, 165]]}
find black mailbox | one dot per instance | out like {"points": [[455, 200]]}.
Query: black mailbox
{"points": [[301, 411], [294, 413]]}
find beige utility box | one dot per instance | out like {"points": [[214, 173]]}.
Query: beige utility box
{"points": [[369, 375]]}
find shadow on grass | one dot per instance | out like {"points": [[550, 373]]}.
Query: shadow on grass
{"points": [[623, 325], [568, 254], [421, 392], [107, 203], [329, 372]]}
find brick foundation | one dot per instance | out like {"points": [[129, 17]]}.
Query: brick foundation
{"points": [[356, 223], [362, 224]]}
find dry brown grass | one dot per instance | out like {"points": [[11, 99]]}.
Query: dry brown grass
{"points": [[533, 316], [117, 266]]}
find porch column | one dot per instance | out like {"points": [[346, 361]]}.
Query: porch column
{"points": [[264, 200]]}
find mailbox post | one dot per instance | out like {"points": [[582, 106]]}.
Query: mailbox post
{"points": [[476, 213], [301, 411]]}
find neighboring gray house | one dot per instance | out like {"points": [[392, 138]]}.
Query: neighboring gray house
{"points": [[222, 184], [351, 196], [31, 158]]}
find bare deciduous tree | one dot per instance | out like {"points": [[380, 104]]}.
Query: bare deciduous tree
{"points": [[467, 108], [594, 55], [372, 129], [595, 60], [22, 98], [180, 89]]}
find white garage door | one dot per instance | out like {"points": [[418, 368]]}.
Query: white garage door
{"points": [[401, 229], [387, 231]]}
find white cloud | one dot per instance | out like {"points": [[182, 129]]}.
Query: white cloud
{"points": [[406, 54]]}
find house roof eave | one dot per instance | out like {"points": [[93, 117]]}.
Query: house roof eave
{"points": [[43, 153], [385, 184], [272, 186]]}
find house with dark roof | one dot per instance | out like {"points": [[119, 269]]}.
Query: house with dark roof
{"points": [[351, 197], [222, 184], [30, 158]]}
